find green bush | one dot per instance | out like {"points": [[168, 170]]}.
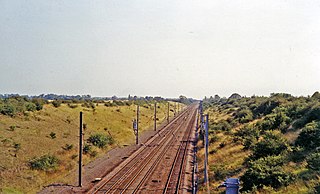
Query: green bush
{"points": [[31, 106], [46, 162], [53, 135], [100, 140], [56, 103], [244, 115], [67, 147], [273, 143], [266, 171], [248, 135], [87, 148], [8, 109], [312, 115], [222, 125], [309, 137], [314, 161]]}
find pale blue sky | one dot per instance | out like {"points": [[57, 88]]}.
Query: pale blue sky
{"points": [[160, 47]]}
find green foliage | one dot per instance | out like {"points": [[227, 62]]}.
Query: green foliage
{"points": [[31, 106], [67, 147], [244, 115], [314, 161], [265, 108], [8, 109], [220, 172], [87, 148], [88, 104], [17, 146], [312, 115], [100, 140], [56, 103], [248, 135], [12, 127], [266, 171], [18, 104], [278, 120], [273, 143], [221, 125], [46, 163], [309, 138], [52, 135], [39, 103]]}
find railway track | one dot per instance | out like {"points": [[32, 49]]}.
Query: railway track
{"points": [[158, 166]]}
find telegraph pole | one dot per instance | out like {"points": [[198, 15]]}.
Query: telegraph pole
{"points": [[155, 116], [80, 151], [137, 140], [168, 112], [206, 143]]}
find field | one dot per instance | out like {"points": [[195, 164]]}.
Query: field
{"points": [[55, 131]]}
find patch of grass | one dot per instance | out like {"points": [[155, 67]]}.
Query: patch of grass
{"points": [[63, 121]]}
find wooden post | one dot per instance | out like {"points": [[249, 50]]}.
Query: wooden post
{"points": [[155, 116], [168, 112], [80, 151], [137, 135]]}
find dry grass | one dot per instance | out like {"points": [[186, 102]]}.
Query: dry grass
{"points": [[226, 159], [32, 133]]}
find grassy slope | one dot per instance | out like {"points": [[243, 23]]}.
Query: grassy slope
{"points": [[32, 133], [228, 161], [228, 158]]}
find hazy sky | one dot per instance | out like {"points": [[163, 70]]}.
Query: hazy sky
{"points": [[160, 47]]}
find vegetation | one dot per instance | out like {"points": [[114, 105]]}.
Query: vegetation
{"points": [[100, 140], [46, 163], [18, 104], [25, 138], [270, 143]]}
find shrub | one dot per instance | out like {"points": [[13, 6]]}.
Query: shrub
{"points": [[100, 140], [12, 127], [220, 172], [53, 135], [87, 148], [222, 125], [72, 105], [244, 115], [309, 137], [273, 143], [314, 161], [56, 103], [17, 146], [248, 135], [311, 115], [8, 109], [46, 162], [67, 147], [266, 171], [39, 103], [93, 153], [30, 106]]}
